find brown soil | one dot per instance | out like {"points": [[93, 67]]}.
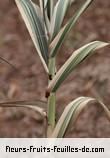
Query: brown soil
{"points": [[91, 78]]}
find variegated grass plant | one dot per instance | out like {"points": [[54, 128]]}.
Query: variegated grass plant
{"points": [[45, 25]]}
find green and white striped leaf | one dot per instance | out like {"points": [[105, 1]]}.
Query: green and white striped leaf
{"points": [[45, 3], [38, 106], [30, 15], [50, 7], [75, 59], [47, 23], [72, 112], [41, 2], [39, 13], [58, 16], [58, 40], [45, 19]]}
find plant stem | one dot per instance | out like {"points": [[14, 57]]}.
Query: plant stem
{"points": [[51, 99], [51, 114]]}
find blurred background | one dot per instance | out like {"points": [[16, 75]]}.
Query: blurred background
{"points": [[28, 82]]}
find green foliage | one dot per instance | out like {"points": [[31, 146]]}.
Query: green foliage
{"points": [[45, 25]]}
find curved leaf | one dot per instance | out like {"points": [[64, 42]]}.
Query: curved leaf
{"points": [[72, 111], [58, 16], [57, 42], [34, 25], [38, 106], [76, 58]]}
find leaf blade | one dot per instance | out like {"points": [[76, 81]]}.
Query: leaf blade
{"points": [[38, 106], [58, 17], [58, 40], [49, 7], [76, 58], [72, 111], [35, 28], [45, 3]]}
